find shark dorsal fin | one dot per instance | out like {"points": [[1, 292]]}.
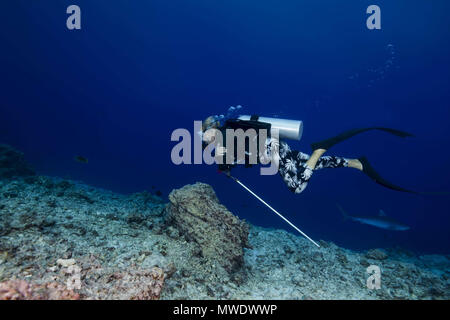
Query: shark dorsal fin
{"points": [[381, 213]]}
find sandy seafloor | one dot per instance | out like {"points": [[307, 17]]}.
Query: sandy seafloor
{"points": [[115, 239]]}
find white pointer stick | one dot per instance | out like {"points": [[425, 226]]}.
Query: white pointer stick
{"points": [[293, 226]]}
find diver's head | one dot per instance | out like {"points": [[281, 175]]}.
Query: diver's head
{"points": [[212, 122], [208, 128]]}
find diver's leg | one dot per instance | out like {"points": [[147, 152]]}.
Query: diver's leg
{"points": [[355, 163], [296, 168], [298, 157], [332, 162], [337, 162], [312, 161], [316, 161]]}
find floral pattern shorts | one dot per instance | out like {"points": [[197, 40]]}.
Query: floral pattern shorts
{"points": [[294, 170]]}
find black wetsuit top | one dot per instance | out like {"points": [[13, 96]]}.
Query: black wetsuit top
{"points": [[235, 124]]}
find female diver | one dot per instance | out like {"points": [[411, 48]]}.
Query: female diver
{"points": [[295, 167]]}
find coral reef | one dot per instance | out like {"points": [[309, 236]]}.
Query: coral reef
{"points": [[376, 254], [196, 212], [23, 290], [12, 163], [61, 239], [154, 285]]}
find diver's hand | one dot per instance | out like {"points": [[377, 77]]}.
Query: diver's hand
{"points": [[225, 171]]}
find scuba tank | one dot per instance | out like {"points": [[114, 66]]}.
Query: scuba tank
{"points": [[287, 129]]}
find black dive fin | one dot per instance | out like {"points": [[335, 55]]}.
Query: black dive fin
{"points": [[371, 173], [328, 143], [395, 132]]}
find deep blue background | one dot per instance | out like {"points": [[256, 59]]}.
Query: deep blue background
{"points": [[114, 91]]}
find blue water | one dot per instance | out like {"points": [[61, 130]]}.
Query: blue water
{"points": [[116, 89]]}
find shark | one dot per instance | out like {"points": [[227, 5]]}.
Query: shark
{"points": [[381, 221]]}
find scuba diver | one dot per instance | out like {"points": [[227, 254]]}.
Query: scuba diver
{"points": [[296, 168]]}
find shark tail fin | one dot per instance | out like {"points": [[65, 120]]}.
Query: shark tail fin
{"points": [[344, 214]]}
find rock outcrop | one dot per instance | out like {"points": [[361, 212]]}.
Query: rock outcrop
{"points": [[376, 254], [12, 163], [196, 212]]}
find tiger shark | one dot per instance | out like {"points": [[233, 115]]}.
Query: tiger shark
{"points": [[381, 221]]}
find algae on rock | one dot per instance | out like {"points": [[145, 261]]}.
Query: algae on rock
{"points": [[197, 213]]}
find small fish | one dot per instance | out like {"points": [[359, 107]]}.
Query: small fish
{"points": [[158, 193], [81, 159], [381, 221]]}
